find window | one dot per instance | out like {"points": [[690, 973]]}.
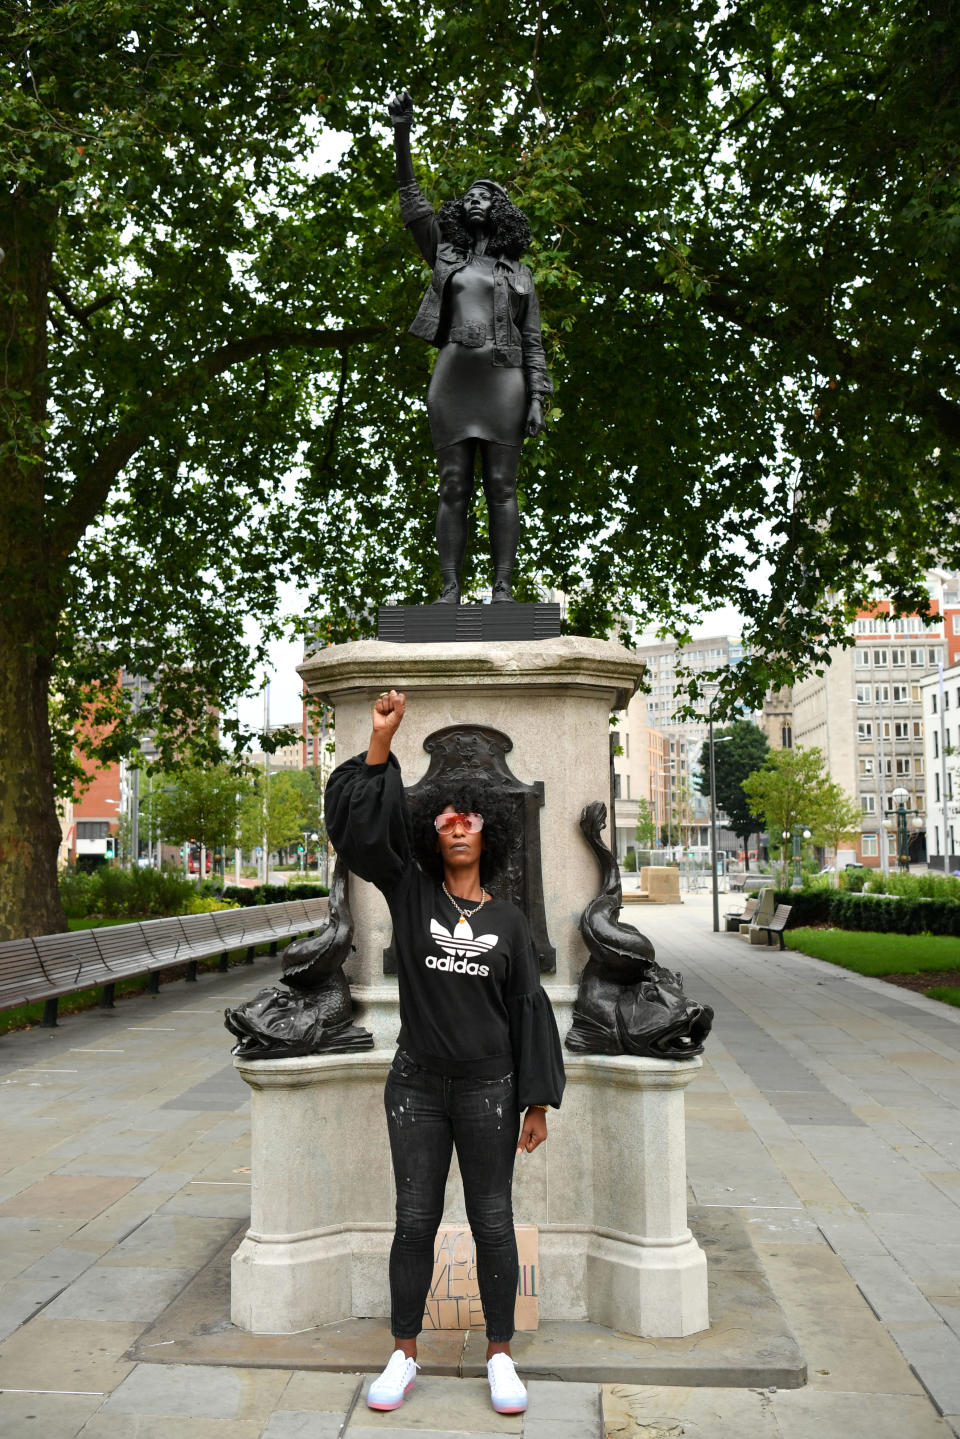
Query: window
{"points": [[933, 702], [898, 658], [918, 764], [936, 788], [864, 694], [901, 694], [901, 729], [916, 658], [915, 694], [946, 700], [864, 729], [891, 845], [885, 730], [786, 737], [936, 745], [903, 767], [866, 766], [882, 693], [863, 658], [93, 828], [616, 787], [868, 803], [918, 729], [880, 658], [933, 657], [956, 623], [868, 846]]}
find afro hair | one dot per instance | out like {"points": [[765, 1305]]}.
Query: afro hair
{"points": [[467, 795], [511, 229]]}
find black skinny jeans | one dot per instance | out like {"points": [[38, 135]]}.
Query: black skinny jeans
{"points": [[427, 1114]]}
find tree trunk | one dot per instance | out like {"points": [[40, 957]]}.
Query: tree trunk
{"points": [[29, 586], [29, 824]]}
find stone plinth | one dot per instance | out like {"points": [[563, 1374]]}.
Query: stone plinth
{"points": [[552, 697], [607, 1191]]}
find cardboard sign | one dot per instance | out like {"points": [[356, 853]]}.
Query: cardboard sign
{"points": [[454, 1298]]}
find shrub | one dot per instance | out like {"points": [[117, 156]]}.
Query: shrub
{"points": [[892, 914], [126, 893], [272, 893], [807, 906]]}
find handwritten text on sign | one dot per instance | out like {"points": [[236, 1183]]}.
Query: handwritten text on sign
{"points": [[454, 1298]]}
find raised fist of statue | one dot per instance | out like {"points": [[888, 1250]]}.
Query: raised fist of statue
{"points": [[400, 109]]}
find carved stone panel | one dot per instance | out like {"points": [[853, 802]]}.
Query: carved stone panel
{"points": [[458, 751]]}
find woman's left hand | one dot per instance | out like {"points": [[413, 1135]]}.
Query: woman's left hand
{"points": [[535, 422], [534, 1131]]}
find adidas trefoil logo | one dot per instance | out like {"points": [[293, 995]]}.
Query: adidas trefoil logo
{"points": [[460, 948]]}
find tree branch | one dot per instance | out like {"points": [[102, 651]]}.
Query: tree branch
{"points": [[90, 493]]}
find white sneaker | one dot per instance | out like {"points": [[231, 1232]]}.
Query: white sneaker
{"points": [[390, 1388], [507, 1393]]}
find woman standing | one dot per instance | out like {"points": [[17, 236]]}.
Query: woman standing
{"points": [[478, 1042], [490, 381]]}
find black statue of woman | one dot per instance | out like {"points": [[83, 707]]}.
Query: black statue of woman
{"points": [[490, 380]]}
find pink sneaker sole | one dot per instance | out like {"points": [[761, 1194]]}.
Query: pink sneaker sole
{"points": [[509, 1408], [385, 1408]]}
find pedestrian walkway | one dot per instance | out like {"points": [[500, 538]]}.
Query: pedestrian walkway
{"points": [[826, 1117]]}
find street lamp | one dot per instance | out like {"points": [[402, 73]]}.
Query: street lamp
{"points": [[798, 834], [903, 835], [725, 739], [314, 839]]}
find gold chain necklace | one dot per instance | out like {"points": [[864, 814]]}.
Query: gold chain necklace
{"points": [[465, 914]]}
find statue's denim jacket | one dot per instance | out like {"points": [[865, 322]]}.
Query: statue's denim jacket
{"points": [[517, 339]]}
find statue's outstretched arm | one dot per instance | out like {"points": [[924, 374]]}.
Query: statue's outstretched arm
{"points": [[416, 210]]}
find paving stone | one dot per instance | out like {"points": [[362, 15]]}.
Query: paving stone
{"points": [[379, 1432], [66, 1354], [654, 1412], [65, 1196], [845, 1345], [198, 1392], [934, 1353], [171, 1241], [319, 1392], [812, 1414], [118, 1426], [303, 1424], [442, 1405], [227, 1201], [46, 1416], [106, 1293], [888, 1290], [551, 1399]]}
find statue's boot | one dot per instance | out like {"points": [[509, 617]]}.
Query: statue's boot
{"points": [[450, 594], [502, 590]]}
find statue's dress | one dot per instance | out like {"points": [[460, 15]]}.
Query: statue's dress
{"points": [[470, 397]]}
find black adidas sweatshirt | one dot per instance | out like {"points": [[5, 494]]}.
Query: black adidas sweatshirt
{"points": [[471, 1002]]}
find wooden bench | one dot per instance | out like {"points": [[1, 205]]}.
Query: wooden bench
{"points": [[734, 918], [777, 924], [50, 966]]}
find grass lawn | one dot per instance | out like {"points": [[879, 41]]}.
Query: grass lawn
{"points": [[877, 954]]}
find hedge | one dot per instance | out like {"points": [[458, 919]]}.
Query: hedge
{"points": [[881, 913], [273, 893], [807, 906]]}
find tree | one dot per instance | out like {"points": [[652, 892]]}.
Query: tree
{"points": [[743, 751], [646, 830], [838, 819], [207, 383], [275, 809], [198, 806], [789, 792]]}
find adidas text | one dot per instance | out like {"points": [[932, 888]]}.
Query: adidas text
{"points": [[457, 966]]}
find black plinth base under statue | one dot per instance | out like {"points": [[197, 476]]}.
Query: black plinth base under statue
{"points": [[439, 624]]}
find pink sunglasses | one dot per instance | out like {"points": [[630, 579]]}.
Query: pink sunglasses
{"points": [[472, 823]]}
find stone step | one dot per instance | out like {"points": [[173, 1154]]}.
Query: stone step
{"points": [[438, 1408]]}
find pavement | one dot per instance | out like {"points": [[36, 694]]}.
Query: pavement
{"points": [[825, 1122]]}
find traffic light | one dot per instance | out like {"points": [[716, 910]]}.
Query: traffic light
{"points": [[111, 851], [300, 849]]}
